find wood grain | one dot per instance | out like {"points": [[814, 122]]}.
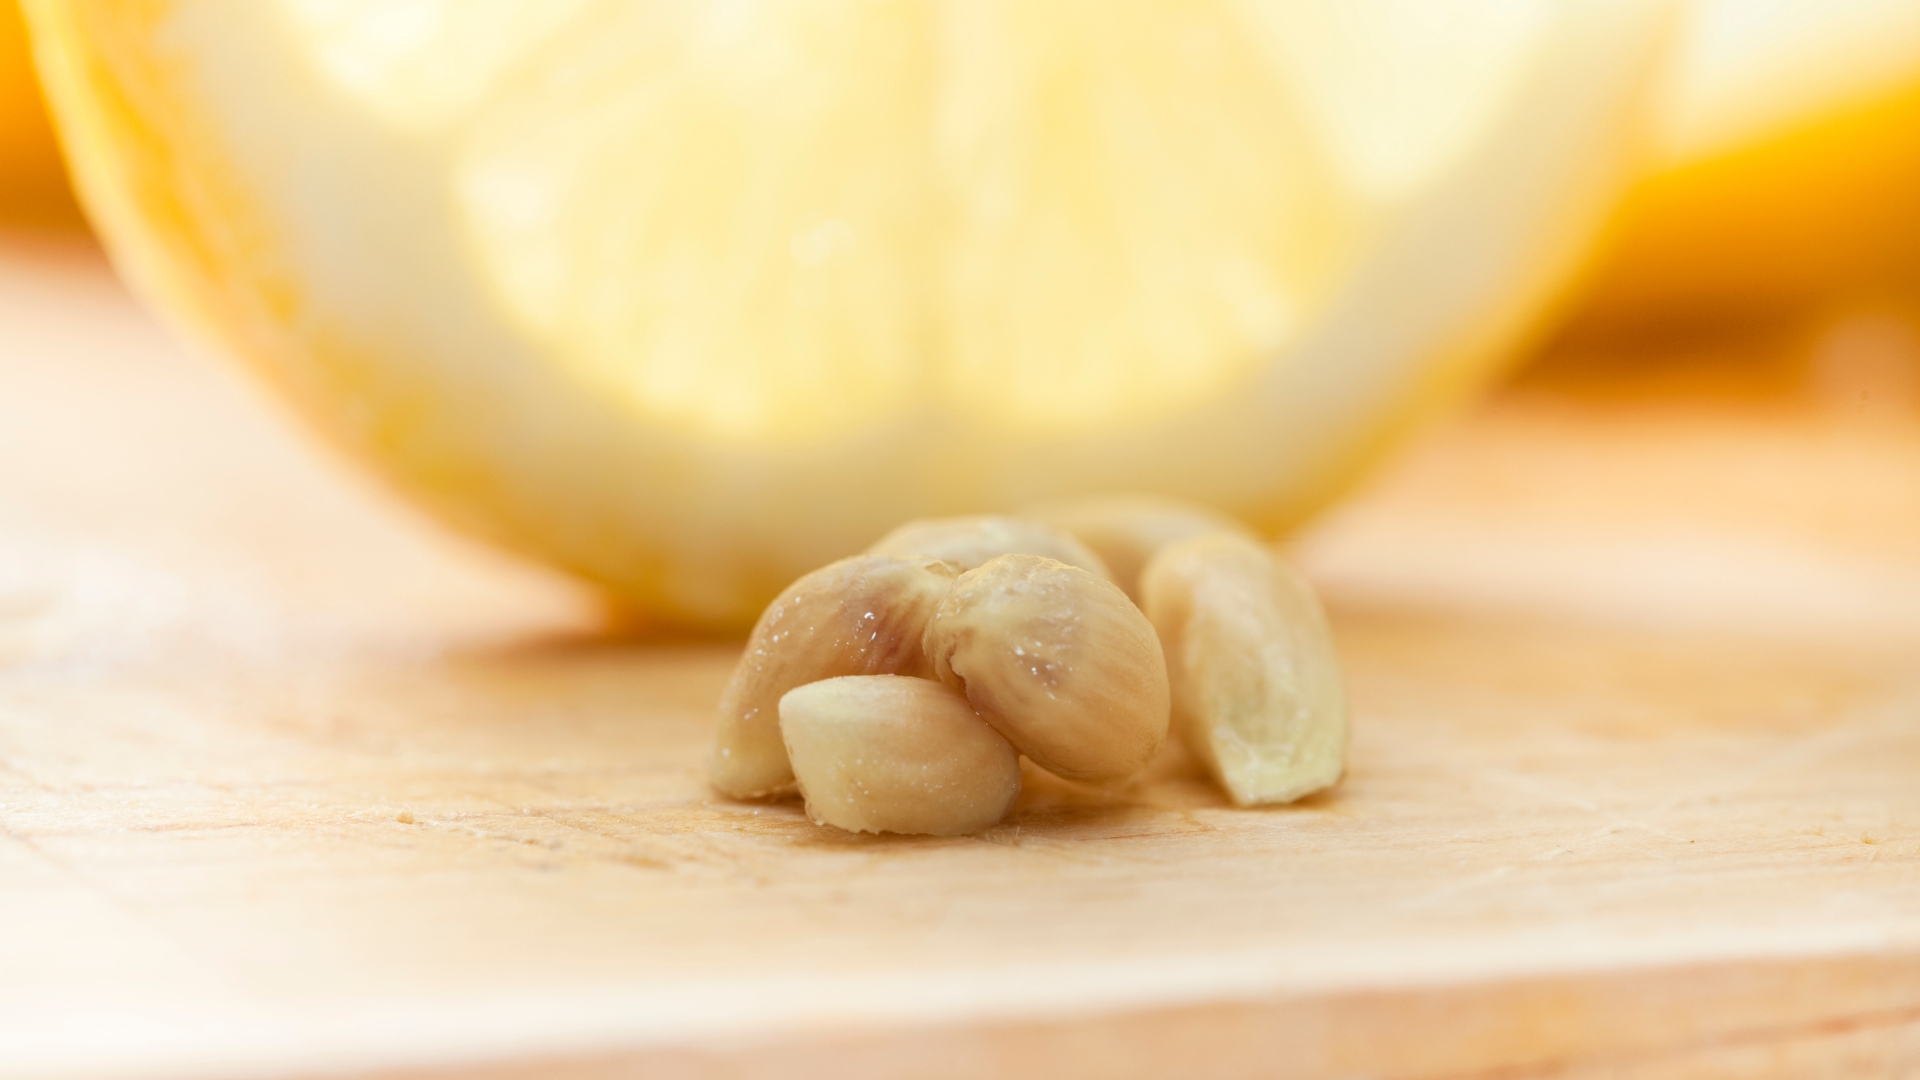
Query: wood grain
{"points": [[292, 783]]}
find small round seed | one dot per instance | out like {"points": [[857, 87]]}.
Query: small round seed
{"points": [[1057, 660], [865, 615], [885, 753], [1257, 693]]}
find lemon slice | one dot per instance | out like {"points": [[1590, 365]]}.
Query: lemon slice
{"points": [[33, 186], [1747, 70], [1783, 174], [691, 298]]}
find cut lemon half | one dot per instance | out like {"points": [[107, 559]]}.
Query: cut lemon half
{"points": [[690, 298]]}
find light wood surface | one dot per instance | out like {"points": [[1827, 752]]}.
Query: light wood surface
{"points": [[292, 783]]}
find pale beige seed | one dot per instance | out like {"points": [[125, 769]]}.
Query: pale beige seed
{"points": [[1057, 660], [860, 616], [969, 542], [1126, 530], [1257, 692], [884, 753]]}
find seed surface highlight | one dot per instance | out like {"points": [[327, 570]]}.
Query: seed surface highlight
{"points": [[970, 542], [886, 753], [865, 615], [1057, 660], [1257, 692]]}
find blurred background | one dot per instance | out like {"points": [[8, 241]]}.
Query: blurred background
{"points": [[1777, 228]]}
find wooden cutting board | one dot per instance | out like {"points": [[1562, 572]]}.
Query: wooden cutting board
{"points": [[292, 783]]}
